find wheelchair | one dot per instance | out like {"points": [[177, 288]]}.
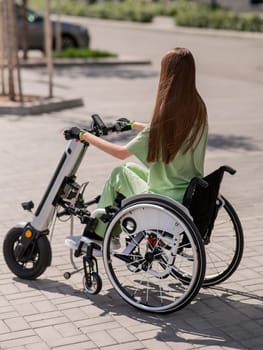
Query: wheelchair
{"points": [[169, 250]]}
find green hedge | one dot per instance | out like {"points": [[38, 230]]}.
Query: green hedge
{"points": [[130, 10], [127, 11], [186, 13], [202, 16]]}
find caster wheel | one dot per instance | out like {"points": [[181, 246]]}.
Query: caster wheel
{"points": [[95, 286]]}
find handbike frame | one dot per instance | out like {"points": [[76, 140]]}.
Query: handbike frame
{"points": [[62, 191]]}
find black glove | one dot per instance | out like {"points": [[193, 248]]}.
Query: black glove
{"points": [[72, 133], [123, 124]]}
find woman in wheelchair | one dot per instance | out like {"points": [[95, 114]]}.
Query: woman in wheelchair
{"points": [[171, 147], [158, 248]]}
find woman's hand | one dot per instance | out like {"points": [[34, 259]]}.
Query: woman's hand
{"points": [[123, 124], [72, 133]]}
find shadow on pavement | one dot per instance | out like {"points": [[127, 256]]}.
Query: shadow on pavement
{"points": [[217, 141], [121, 72], [198, 324]]}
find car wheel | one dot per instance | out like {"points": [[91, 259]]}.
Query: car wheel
{"points": [[68, 41]]}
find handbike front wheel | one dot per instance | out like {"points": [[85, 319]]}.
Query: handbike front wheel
{"points": [[35, 259], [141, 269]]}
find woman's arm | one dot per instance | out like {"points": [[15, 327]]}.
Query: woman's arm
{"points": [[118, 151], [139, 126]]}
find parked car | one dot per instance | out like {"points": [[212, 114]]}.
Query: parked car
{"points": [[72, 35]]}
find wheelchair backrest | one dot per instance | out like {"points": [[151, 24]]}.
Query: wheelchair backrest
{"points": [[201, 201]]}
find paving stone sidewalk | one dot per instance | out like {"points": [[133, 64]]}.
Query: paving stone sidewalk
{"points": [[53, 313]]}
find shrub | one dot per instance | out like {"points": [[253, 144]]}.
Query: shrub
{"points": [[200, 15], [127, 10]]}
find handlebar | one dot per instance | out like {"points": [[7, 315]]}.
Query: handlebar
{"points": [[99, 128]]}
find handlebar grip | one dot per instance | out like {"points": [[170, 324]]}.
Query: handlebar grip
{"points": [[228, 169]]}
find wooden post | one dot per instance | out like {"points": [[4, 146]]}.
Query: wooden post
{"points": [[48, 48]]}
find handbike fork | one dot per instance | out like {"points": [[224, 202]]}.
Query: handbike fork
{"points": [[88, 265], [92, 280], [29, 237]]}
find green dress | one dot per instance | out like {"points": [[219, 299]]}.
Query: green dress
{"points": [[166, 179]]}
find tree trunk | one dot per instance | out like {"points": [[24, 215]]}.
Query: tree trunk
{"points": [[58, 30], [25, 30], [2, 51], [48, 48], [10, 48], [13, 54]]}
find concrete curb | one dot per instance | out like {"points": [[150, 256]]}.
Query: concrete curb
{"points": [[56, 104], [39, 107], [71, 62]]}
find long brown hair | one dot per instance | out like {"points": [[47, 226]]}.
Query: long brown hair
{"points": [[179, 110]]}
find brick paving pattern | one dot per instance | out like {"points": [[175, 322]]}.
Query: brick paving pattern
{"points": [[53, 313]]}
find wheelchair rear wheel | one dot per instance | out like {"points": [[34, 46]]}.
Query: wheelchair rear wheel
{"points": [[225, 248], [141, 269]]}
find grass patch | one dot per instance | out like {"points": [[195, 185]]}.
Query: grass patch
{"points": [[83, 53]]}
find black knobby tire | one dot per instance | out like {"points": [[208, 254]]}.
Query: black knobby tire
{"points": [[234, 257], [35, 260]]}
